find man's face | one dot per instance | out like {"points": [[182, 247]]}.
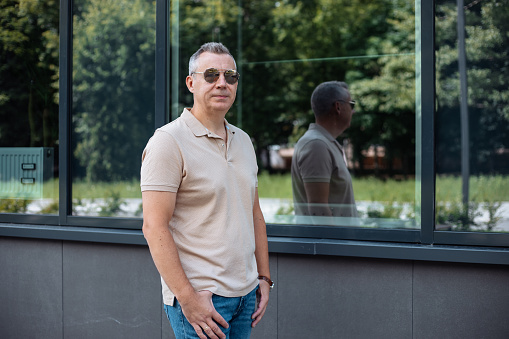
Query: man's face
{"points": [[219, 95]]}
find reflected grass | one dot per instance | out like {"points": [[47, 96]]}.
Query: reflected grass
{"points": [[388, 190], [95, 190], [481, 188], [448, 188], [380, 198], [365, 189]]}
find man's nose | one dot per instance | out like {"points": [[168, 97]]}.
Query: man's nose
{"points": [[221, 82]]}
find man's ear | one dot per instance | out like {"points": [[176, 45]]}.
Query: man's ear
{"points": [[190, 83], [337, 106]]}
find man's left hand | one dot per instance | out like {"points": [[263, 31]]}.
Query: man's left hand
{"points": [[262, 298]]}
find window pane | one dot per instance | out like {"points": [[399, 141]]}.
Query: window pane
{"points": [[29, 107], [472, 117], [284, 49], [112, 103]]}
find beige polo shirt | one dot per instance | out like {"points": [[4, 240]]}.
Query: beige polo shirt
{"points": [[212, 223]]}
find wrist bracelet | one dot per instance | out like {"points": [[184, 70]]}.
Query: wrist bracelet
{"points": [[271, 283]]}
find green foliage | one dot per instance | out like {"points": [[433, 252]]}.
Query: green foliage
{"points": [[386, 209], [112, 206], [487, 47], [51, 208], [486, 194], [83, 189], [275, 185], [316, 41], [113, 86], [493, 209], [286, 210], [283, 49], [373, 189], [13, 205], [387, 97], [482, 188], [456, 215], [29, 73]]}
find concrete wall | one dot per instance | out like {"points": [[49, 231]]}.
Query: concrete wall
{"points": [[60, 289]]}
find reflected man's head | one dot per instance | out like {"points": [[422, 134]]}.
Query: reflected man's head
{"points": [[331, 103]]}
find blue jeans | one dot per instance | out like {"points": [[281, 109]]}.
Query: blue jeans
{"points": [[236, 311]]}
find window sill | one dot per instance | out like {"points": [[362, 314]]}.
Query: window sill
{"points": [[305, 246]]}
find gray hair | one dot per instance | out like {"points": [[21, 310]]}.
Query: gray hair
{"points": [[211, 47], [326, 94]]}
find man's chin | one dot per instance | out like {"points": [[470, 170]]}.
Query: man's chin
{"points": [[221, 106]]}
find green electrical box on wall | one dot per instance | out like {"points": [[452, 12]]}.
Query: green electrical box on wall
{"points": [[23, 171]]}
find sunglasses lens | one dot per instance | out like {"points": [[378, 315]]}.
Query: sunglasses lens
{"points": [[231, 76], [211, 75]]}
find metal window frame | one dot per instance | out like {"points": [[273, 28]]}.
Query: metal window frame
{"points": [[282, 237]]}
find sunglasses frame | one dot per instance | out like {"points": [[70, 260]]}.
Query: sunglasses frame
{"points": [[217, 73], [351, 102]]}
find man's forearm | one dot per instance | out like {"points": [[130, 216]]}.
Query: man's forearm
{"points": [[158, 210], [317, 194], [262, 247], [165, 256]]}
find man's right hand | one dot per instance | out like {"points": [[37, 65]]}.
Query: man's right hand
{"points": [[202, 315]]}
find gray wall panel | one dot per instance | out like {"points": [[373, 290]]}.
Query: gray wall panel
{"points": [[110, 291], [54, 289], [461, 301], [31, 288], [336, 297]]}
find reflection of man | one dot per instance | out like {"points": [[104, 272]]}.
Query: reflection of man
{"points": [[202, 218], [321, 183]]}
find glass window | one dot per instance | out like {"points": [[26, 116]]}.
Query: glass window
{"points": [[112, 103], [29, 107], [284, 50], [472, 116]]}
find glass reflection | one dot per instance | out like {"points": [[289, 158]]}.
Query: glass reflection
{"points": [[29, 107], [472, 134], [284, 50], [321, 182], [112, 103]]}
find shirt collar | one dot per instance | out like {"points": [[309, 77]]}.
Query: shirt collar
{"points": [[197, 127], [323, 131]]}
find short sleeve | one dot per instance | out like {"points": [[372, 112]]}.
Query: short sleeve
{"points": [[161, 164], [315, 162]]}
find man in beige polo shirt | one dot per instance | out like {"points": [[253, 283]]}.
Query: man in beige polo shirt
{"points": [[202, 218]]}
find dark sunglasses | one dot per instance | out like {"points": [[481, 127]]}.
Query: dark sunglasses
{"points": [[351, 102], [212, 74]]}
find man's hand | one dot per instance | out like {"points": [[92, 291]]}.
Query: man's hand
{"points": [[202, 315], [262, 300]]}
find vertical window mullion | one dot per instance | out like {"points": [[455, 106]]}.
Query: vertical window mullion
{"points": [[427, 85], [65, 88], [162, 54]]}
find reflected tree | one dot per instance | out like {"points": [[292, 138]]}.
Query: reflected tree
{"points": [[29, 73], [113, 86], [487, 47]]}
